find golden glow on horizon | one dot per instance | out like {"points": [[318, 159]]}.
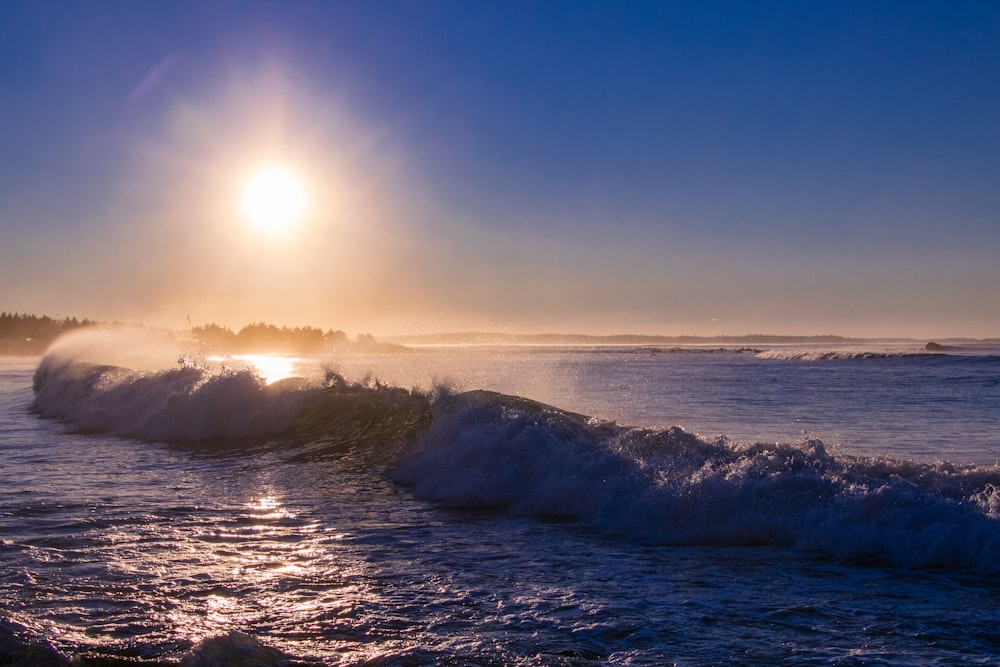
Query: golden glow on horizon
{"points": [[274, 199]]}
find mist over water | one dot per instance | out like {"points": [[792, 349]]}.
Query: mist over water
{"points": [[133, 348]]}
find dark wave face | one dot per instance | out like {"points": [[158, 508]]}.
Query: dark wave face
{"points": [[504, 453]]}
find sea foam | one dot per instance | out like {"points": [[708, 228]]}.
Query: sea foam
{"points": [[672, 487], [143, 385]]}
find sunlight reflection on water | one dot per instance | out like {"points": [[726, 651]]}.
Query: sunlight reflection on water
{"points": [[262, 561], [270, 368]]}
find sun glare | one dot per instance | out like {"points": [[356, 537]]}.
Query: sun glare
{"points": [[274, 199], [270, 368]]}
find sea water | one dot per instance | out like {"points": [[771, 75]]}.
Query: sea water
{"points": [[503, 506]]}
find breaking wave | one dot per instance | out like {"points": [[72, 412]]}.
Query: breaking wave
{"points": [[827, 355], [980, 352], [483, 450], [672, 487]]}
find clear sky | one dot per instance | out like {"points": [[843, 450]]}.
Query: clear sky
{"points": [[603, 167]]}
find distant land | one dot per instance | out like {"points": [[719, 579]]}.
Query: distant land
{"points": [[25, 334], [263, 338], [22, 334], [30, 335], [488, 338]]}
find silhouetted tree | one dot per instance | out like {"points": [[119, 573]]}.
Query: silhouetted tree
{"points": [[214, 337], [31, 334]]}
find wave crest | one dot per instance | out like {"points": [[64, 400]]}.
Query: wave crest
{"points": [[187, 403], [828, 355], [671, 487]]}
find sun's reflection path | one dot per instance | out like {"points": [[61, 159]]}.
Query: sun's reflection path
{"points": [[268, 569]]}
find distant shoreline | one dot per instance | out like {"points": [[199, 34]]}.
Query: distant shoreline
{"points": [[500, 339], [30, 335]]}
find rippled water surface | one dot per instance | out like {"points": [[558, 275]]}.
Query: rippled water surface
{"points": [[131, 548]]}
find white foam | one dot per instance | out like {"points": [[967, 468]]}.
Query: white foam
{"points": [[670, 487], [140, 384]]}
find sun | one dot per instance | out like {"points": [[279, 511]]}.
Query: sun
{"points": [[274, 199]]}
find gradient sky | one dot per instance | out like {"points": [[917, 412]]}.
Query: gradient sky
{"points": [[605, 167]]}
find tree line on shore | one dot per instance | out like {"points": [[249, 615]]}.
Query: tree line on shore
{"points": [[24, 334], [267, 338], [21, 333]]}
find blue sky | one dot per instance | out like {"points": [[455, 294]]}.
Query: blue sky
{"points": [[666, 167]]}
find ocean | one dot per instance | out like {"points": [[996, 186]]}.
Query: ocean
{"points": [[550, 505]]}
